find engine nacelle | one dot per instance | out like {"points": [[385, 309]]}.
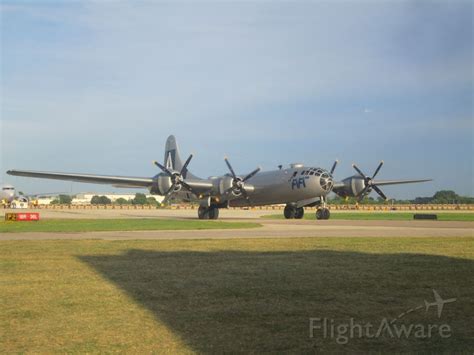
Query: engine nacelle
{"points": [[161, 184], [225, 183], [353, 186]]}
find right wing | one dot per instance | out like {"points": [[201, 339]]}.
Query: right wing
{"points": [[119, 181]]}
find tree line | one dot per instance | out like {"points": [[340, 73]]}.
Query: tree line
{"points": [[440, 197]]}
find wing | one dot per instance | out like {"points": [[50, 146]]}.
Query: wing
{"points": [[395, 182], [118, 181]]}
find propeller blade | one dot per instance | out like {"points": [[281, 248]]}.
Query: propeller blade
{"points": [[251, 174], [163, 168], [230, 168], [358, 170], [334, 166], [168, 194], [189, 188], [378, 169], [379, 192], [362, 193], [185, 166]]}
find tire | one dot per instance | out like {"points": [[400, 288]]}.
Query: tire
{"points": [[299, 213], [322, 213], [289, 212], [203, 212], [319, 213], [213, 213], [326, 213]]}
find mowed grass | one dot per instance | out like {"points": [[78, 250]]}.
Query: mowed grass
{"points": [[383, 216], [244, 295], [89, 225]]}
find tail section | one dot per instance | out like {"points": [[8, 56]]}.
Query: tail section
{"points": [[172, 158]]}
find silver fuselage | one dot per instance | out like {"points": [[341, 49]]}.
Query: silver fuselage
{"points": [[270, 187]]}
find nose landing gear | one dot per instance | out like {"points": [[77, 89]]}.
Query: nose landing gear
{"points": [[323, 212]]}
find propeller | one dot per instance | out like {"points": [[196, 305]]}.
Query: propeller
{"points": [[369, 185], [177, 179], [334, 166], [238, 183]]}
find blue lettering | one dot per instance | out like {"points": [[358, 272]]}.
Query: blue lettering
{"points": [[294, 183]]}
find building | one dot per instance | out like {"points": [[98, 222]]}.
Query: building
{"points": [[85, 198]]}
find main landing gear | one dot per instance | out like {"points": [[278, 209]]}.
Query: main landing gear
{"points": [[291, 212], [208, 212]]}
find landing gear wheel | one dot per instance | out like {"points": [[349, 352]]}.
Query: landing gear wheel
{"points": [[299, 213], [326, 213], [289, 212], [213, 213], [322, 213], [203, 212]]}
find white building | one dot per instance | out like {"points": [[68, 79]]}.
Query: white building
{"points": [[85, 198]]}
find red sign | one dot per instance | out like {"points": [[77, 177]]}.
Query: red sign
{"points": [[22, 217]]}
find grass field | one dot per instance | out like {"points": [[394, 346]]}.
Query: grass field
{"points": [[230, 295], [382, 216], [89, 225]]}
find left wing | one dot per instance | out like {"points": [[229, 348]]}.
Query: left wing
{"points": [[119, 181]]}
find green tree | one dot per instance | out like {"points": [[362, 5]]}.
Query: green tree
{"points": [[65, 199], [122, 201], [445, 196], [151, 201], [139, 199], [100, 200], [104, 200]]}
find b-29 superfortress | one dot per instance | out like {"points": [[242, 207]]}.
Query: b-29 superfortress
{"points": [[295, 186]]}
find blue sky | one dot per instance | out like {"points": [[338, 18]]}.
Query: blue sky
{"points": [[96, 87]]}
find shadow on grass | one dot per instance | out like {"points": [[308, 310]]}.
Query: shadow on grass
{"points": [[261, 301]]}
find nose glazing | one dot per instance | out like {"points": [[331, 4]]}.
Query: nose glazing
{"points": [[326, 181]]}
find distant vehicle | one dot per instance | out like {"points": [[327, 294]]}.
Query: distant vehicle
{"points": [[296, 186]]}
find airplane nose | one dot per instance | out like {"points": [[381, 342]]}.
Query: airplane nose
{"points": [[326, 181]]}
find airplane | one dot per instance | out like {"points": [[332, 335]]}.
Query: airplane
{"points": [[295, 186], [7, 193], [9, 198], [439, 303]]}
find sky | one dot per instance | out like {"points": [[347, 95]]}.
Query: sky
{"points": [[97, 87]]}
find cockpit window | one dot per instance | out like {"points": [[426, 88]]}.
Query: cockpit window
{"points": [[311, 173]]}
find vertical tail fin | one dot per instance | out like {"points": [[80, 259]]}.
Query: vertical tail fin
{"points": [[172, 158]]}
